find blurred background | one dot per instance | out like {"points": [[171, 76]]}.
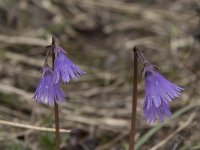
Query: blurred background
{"points": [[99, 36]]}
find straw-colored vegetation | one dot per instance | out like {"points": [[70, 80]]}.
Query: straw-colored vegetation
{"points": [[98, 35]]}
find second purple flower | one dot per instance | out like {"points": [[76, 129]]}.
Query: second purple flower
{"points": [[158, 93]]}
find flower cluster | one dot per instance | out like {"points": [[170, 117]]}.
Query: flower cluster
{"points": [[159, 92], [48, 90]]}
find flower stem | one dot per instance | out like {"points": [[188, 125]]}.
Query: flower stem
{"points": [[134, 103], [57, 126], [56, 110]]}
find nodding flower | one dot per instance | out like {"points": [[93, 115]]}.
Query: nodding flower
{"points": [[47, 91], [64, 68], [159, 92]]}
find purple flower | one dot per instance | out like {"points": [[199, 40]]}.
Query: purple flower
{"points": [[47, 91], [64, 68], [158, 93]]}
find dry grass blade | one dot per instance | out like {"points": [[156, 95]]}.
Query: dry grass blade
{"points": [[109, 145], [98, 36], [23, 58], [147, 13], [24, 40], [150, 133], [13, 90], [14, 124], [183, 126]]}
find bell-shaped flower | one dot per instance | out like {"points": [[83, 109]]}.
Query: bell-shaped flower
{"points": [[47, 91], [158, 93], [64, 68]]}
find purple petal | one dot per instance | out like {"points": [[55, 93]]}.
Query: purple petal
{"points": [[64, 68], [158, 93], [46, 90]]}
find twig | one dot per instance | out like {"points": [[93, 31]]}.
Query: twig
{"points": [[14, 124], [183, 126]]}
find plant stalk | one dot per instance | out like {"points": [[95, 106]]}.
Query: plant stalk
{"points": [[56, 109], [57, 126], [134, 103]]}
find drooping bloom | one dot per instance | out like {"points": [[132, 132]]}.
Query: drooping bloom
{"points": [[158, 93], [64, 68], [47, 91]]}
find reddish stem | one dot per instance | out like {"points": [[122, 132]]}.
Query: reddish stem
{"points": [[134, 103], [56, 109], [57, 126]]}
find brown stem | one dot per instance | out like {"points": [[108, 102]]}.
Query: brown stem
{"points": [[57, 126], [46, 58], [140, 55], [134, 103], [56, 110]]}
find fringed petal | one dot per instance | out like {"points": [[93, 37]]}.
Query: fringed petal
{"points": [[64, 68], [47, 91], [158, 93]]}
